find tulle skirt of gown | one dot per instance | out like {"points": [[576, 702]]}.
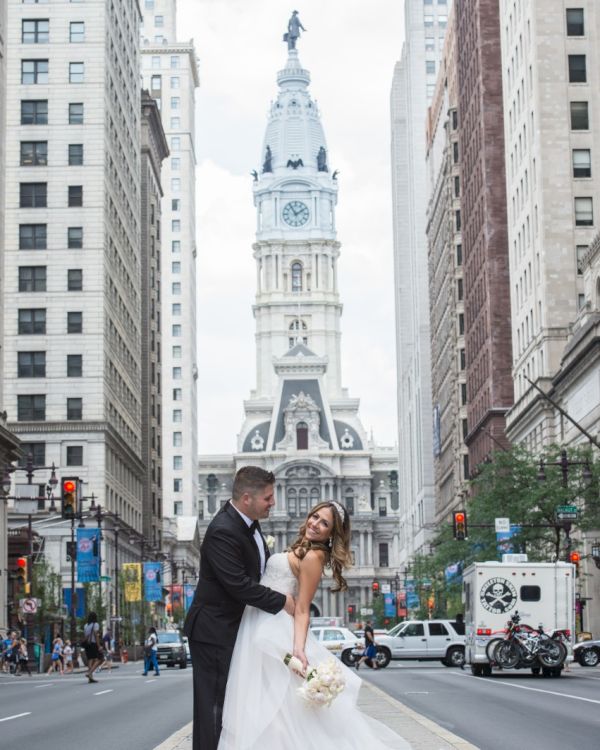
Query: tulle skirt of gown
{"points": [[263, 711]]}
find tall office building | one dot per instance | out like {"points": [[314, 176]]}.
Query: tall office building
{"points": [[552, 136], [484, 235], [154, 151], [413, 87], [170, 73], [72, 386], [446, 297]]}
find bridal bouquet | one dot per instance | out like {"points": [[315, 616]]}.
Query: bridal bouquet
{"points": [[322, 684]]}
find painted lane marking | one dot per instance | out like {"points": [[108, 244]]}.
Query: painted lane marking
{"points": [[102, 692], [16, 716], [147, 681], [46, 684], [535, 690]]}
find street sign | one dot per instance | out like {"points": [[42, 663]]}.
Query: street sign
{"points": [[116, 619], [366, 611], [566, 512], [29, 606], [502, 525], [386, 588], [105, 579]]}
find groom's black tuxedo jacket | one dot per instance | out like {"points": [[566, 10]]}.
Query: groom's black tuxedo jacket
{"points": [[229, 575]]}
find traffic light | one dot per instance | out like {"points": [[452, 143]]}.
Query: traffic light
{"points": [[68, 496], [22, 578], [351, 612], [575, 558], [375, 588], [459, 521]]}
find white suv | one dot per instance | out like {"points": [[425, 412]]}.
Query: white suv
{"points": [[423, 640]]}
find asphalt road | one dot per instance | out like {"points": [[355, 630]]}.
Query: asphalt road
{"points": [[511, 710], [124, 710]]}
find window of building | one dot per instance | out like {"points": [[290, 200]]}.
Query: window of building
{"points": [[74, 365], [175, 143], [177, 439], [176, 308], [584, 212], [34, 2], [76, 72], [37, 451], [430, 90], [463, 394], [77, 31], [384, 559], [461, 324], [176, 225], [455, 152], [32, 321], [175, 123], [459, 289], [74, 279], [155, 61], [465, 428], [177, 508], [580, 301], [429, 44], [159, 21], [575, 22], [178, 462], [76, 113], [32, 236], [457, 221], [177, 394], [577, 69], [302, 436], [156, 83], [31, 364], [75, 154], [175, 184], [176, 288], [74, 455], [580, 119], [428, 21], [466, 473], [35, 31], [463, 359], [33, 194], [31, 408], [175, 164], [75, 238], [32, 278], [178, 485], [459, 258], [581, 251], [382, 506], [296, 277], [176, 204], [34, 72], [175, 102], [582, 162], [176, 373], [176, 246], [175, 80], [176, 352], [75, 409], [34, 153], [457, 187], [442, 21], [430, 67], [177, 415], [34, 112], [75, 322], [174, 61], [176, 331], [75, 196]]}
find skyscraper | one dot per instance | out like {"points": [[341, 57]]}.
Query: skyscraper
{"points": [[413, 87], [170, 73]]}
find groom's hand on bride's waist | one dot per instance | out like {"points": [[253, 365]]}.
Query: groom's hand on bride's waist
{"points": [[290, 604]]}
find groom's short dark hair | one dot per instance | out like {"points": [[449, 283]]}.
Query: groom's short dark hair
{"points": [[251, 479]]}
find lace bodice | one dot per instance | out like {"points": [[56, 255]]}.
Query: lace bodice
{"points": [[278, 575]]}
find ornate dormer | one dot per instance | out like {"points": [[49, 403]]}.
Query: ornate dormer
{"points": [[302, 419]]}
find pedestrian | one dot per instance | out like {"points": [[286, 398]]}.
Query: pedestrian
{"points": [[370, 652], [55, 659], [68, 657], [151, 653], [92, 645], [459, 623], [4, 644], [23, 658], [107, 645]]}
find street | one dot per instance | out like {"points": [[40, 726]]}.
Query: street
{"points": [[123, 710], [504, 711]]}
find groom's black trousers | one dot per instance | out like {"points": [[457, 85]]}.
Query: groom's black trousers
{"points": [[211, 668]]}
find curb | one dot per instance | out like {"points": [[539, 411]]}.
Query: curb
{"points": [[444, 734], [181, 736]]}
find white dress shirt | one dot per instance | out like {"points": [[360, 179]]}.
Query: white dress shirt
{"points": [[257, 538]]}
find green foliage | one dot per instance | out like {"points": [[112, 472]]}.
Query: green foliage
{"points": [[46, 586]]}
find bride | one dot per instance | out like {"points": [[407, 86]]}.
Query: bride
{"points": [[262, 708]]}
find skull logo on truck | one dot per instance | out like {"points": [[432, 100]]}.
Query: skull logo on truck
{"points": [[498, 595]]}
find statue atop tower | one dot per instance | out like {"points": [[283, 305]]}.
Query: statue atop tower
{"points": [[293, 32]]}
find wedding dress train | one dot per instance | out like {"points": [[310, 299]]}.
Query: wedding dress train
{"points": [[263, 710]]}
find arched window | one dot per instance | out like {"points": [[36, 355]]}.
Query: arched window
{"points": [[302, 436], [303, 502], [291, 502], [349, 501], [298, 329], [296, 277]]}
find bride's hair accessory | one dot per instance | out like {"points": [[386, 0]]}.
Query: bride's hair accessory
{"points": [[340, 509]]}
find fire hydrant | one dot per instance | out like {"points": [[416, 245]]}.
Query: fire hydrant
{"points": [[124, 655]]}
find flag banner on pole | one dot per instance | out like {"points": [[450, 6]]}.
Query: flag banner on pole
{"points": [[132, 572], [389, 605], [189, 595], [88, 555], [153, 581]]}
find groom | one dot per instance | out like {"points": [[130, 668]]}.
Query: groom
{"points": [[233, 558]]}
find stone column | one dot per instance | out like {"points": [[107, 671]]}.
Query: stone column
{"points": [[361, 548]]}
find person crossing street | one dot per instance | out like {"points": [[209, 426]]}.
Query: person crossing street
{"points": [[151, 653]]}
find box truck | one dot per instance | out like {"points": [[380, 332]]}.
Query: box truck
{"points": [[540, 593]]}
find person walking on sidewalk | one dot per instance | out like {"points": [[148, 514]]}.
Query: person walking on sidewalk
{"points": [[68, 657], [92, 645], [23, 658], [370, 652], [56, 658], [151, 653]]}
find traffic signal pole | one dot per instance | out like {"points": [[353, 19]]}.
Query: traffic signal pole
{"points": [[72, 628]]}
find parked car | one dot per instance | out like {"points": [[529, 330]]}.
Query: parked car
{"points": [[587, 653], [340, 641], [423, 640], [171, 648]]}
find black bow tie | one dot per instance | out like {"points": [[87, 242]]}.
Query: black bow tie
{"points": [[252, 528]]}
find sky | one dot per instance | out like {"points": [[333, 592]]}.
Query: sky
{"points": [[350, 48]]}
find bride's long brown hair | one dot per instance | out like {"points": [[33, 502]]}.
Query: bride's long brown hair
{"points": [[336, 550]]}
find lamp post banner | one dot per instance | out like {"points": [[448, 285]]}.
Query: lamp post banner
{"points": [[152, 581], [132, 573], [88, 555]]}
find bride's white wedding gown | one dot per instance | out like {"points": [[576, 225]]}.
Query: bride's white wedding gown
{"points": [[262, 709]]}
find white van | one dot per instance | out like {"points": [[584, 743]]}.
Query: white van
{"points": [[541, 593]]}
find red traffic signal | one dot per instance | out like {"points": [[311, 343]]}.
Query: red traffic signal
{"points": [[68, 494], [375, 588], [21, 562], [575, 557], [459, 523]]}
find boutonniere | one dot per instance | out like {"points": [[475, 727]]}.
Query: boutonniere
{"points": [[270, 542]]}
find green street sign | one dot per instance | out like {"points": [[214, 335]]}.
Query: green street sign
{"points": [[106, 579], [566, 512]]}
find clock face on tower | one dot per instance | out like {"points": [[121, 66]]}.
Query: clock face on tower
{"points": [[295, 213]]}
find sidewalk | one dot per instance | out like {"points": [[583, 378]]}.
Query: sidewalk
{"points": [[419, 732]]}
